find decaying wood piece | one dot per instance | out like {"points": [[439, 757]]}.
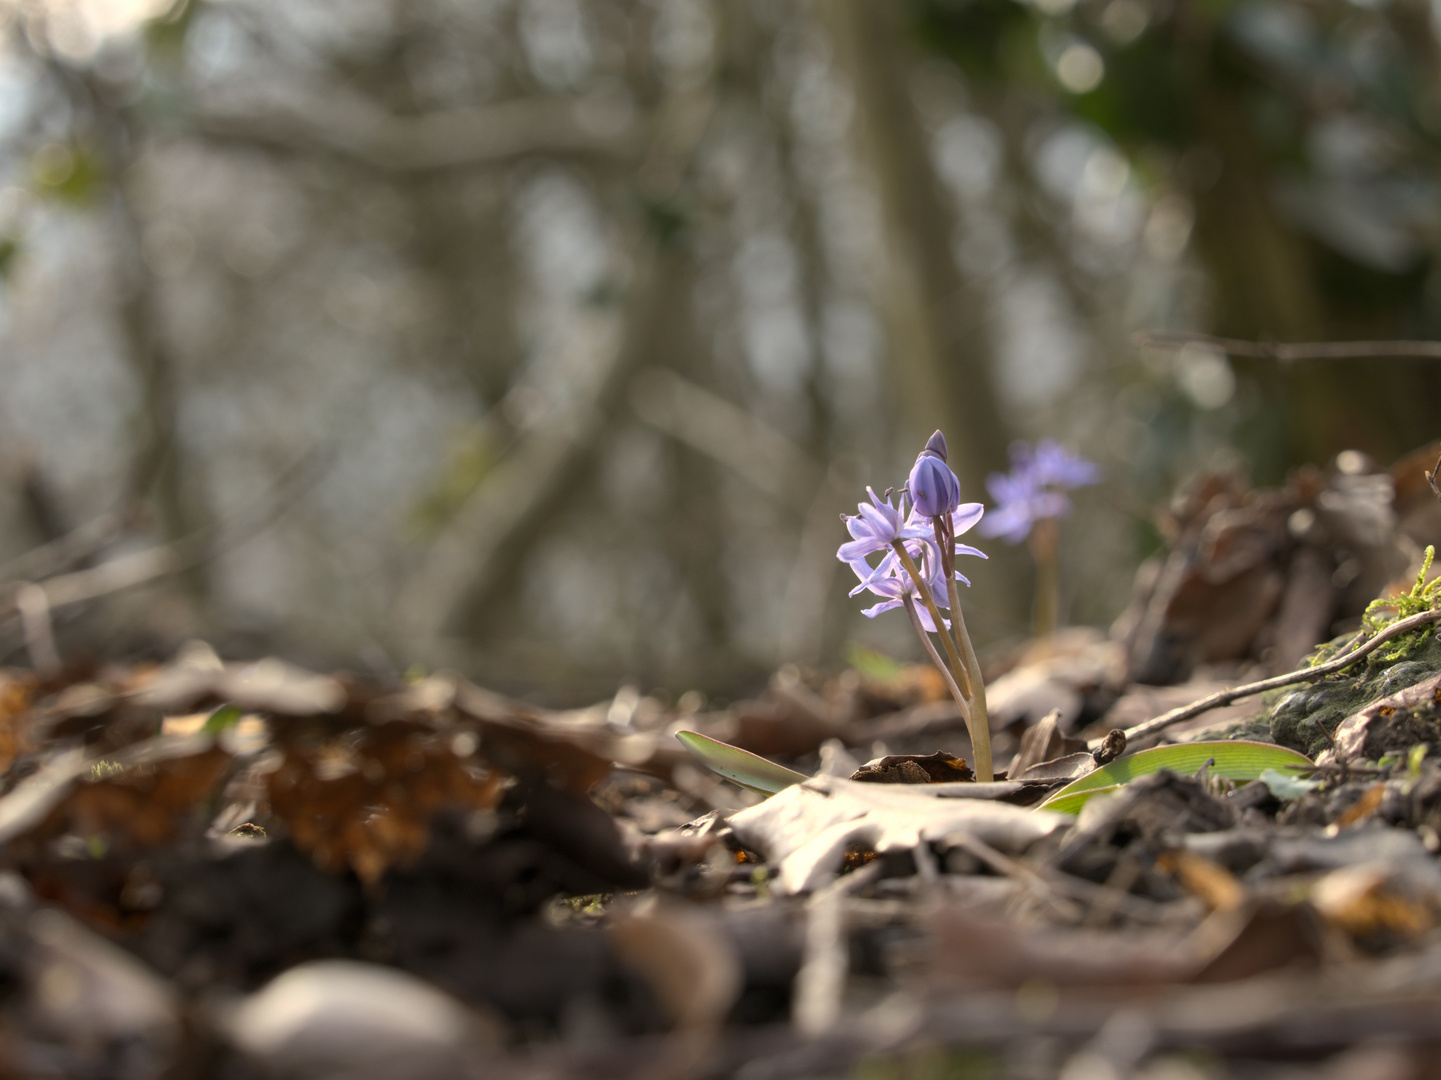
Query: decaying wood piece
{"points": [[1263, 573]]}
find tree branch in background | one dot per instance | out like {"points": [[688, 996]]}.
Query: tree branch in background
{"points": [[30, 600], [774, 465], [350, 128], [34, 608], [466, 559], [1288, 352], [936, 316], [495, 526], [707, 422], [72, 549]]}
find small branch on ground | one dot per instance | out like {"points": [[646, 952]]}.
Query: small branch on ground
{"points": [[1225, 697]]}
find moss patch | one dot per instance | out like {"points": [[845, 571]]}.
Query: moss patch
{"points": [[1305, 717]]}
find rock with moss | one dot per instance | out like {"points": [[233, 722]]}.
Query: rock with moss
{"points": [[1305, 717]]}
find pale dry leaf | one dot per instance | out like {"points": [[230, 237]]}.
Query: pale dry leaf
{"points": [[805, 830]]}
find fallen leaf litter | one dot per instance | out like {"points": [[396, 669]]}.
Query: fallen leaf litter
{"points": [[344, 878]]}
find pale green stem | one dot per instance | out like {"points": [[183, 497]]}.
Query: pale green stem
{"points": [[910, 605], [1044, 550], [980, 723], [965, 673], [958, 669]]}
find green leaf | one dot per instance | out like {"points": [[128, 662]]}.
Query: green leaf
{"points": [[872, 664], [1287, 787], [741, 766], [1233, 760], [224, 717]]}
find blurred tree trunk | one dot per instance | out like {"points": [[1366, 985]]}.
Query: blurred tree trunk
{"points": [[1264, 275], [159, 467], [940, 348]]}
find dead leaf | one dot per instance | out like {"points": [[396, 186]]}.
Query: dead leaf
{"points": [[143, 805], [1256, 937], [1044, 741], [1213, 883], [1370, 900], [685, 957], [365, 801], [1363, 807], [805, 830], [1249, 570], [937, 768], [17, 694]]}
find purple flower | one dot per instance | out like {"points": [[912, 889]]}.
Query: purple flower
{"points": [[932, 491], [1055, 466], [876, 526], [932, 486], [890, 578], [1032, 489], [892, 581]]}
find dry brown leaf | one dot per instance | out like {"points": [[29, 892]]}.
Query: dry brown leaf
{"points": [[1213, 883], [683, 954], [1362, 901], [1363, 807], [17, 694], [1258, 936], [937, 768], [142, 806], [365, 801]]}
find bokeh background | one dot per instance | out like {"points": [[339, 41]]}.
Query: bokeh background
{"points": [[546, 339]]}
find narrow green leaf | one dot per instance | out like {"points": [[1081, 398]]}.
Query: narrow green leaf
{"points": [[872, 664], [741, 766], [1238, 760]]}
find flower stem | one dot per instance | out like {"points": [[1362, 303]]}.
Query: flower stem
{"points": [[965, 673], [955, 690], [957, 667], [1044, 550], [980, 722]]}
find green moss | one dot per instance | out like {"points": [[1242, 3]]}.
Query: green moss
{"points": [[1422, 597], [1305, 717]]}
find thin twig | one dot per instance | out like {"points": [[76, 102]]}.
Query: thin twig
{"points": [[1287, 352], [1225, 697], [34, 608], [820, 984], [76, 546], [1043, 889], [136, 568]]}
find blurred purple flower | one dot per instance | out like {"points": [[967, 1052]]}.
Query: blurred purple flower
{"points": [[1033, 489], [1054, 465]]}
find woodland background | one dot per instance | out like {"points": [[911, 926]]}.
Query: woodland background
{"points": [[546, 340]]}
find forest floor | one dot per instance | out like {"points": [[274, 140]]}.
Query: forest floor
{"points": [[217, 869]]}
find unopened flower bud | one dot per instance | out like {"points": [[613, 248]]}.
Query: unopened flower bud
{"points": [[936, 444], [933, 488]]}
